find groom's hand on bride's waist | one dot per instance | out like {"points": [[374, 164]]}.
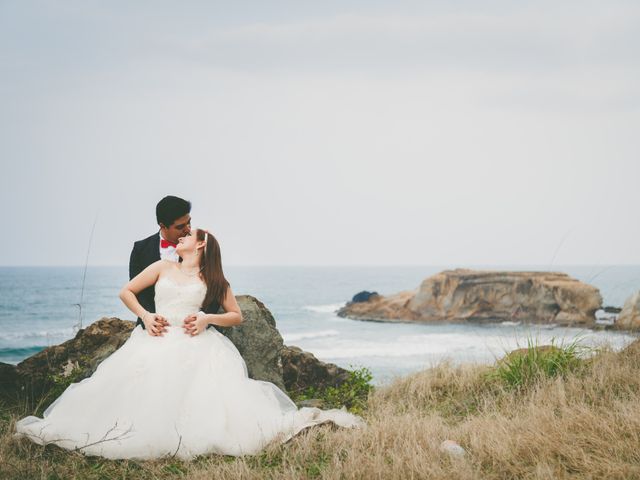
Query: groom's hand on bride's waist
{"points": [[194, 324], [155, 324]]}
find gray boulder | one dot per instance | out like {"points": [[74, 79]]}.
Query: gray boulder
{"points": [[302, 369], [258, 341], [363, 296]]}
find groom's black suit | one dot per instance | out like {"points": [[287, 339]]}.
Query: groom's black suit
{"points": [[144, 253]]}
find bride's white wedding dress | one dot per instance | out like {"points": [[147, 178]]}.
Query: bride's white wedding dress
{"points": [[175, 394]]}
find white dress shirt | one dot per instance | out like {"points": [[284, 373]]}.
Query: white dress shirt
{"points": [[168, 253]]}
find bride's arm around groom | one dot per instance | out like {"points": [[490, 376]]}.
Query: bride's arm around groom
{"points": [[197, 323]]}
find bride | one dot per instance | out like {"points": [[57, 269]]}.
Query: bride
{"points": [[176, 388]]}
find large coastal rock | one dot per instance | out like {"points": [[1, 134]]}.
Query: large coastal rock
{"points": [[302, 369], [257, 339], [76, 358], [486, 296], [629, 317]]}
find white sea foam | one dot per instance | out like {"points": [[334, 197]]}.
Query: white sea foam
{"points": [[330, 308], [452, 345], [38, 334], [300, 336], [403, 346]]}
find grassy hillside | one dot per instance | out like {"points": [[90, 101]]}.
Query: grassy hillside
{"points": [[541, 413]]}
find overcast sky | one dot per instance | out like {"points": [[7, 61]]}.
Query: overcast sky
{"points": [[324, 133]]}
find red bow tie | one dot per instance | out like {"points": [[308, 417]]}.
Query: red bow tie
{"points": [[166, 243]]}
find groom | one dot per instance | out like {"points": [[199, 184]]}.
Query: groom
{"points": [[173, 217]]}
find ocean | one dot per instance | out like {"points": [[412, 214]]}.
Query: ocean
{"points": [[39, 308]]}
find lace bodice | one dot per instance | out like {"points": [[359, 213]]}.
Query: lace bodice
{"points": [[176, 300]]}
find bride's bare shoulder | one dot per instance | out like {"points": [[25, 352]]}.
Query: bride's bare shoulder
{"points": [[163, 265], [167, 268]]}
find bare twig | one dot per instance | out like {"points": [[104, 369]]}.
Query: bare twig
{"points": [[597, 274], [179, 441], [77, 449], [84, 276], [559, 245], [104, 439]]}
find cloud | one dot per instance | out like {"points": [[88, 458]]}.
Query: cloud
{"points": [[523, 40]]}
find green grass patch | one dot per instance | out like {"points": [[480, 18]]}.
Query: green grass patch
{"points": [[524, 367]]}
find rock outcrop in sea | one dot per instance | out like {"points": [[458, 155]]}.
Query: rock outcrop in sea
{"points": [[464, 295], [257, 339]]}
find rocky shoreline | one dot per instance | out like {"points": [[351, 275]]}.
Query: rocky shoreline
{"points": [[257, 340], [451, 296], [481, 296]]}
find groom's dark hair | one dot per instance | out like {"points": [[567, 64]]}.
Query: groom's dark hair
{"points": [[170, 208]]}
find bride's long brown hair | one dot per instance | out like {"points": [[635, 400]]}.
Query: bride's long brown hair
{"points": [[211, 268]]}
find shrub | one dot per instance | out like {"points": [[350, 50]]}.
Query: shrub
{"points": [[352, 394]]}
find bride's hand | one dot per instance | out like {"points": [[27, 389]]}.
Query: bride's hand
{"points": [[155, 324], [194, 324]]}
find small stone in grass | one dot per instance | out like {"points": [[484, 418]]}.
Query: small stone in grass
{"points": [[452, 447]]}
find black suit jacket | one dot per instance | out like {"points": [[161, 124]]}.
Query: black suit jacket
{"points": [[143, 254]]}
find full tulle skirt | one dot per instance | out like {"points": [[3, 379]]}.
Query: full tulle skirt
{"points": [[174, 395]]}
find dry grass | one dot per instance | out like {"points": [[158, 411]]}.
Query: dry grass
{"points": [[585, 424]]}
